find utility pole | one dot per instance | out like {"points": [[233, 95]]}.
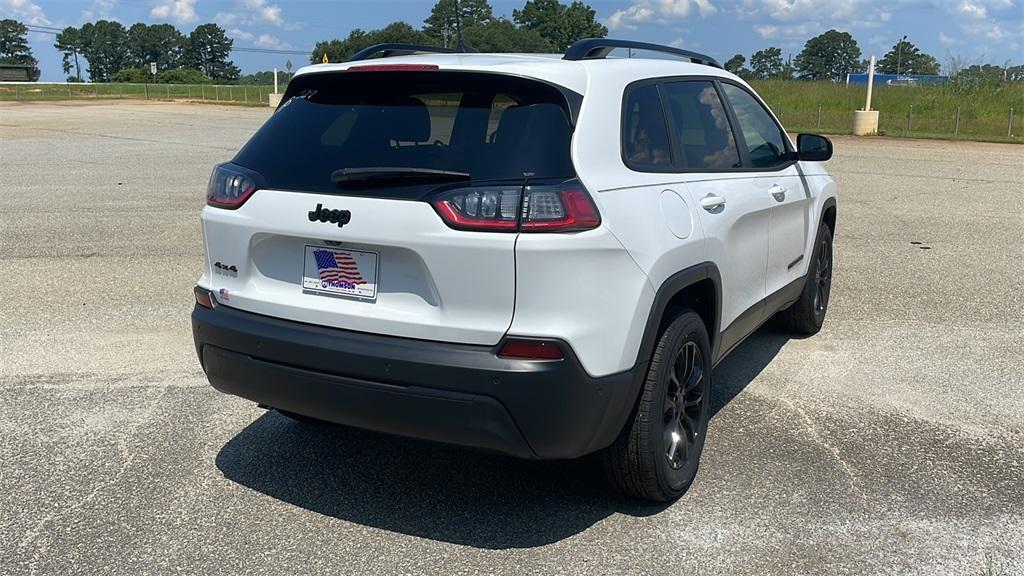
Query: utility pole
{"points": [[899, 56]]}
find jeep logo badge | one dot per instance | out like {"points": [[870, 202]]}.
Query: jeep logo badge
{"points": [[340, 217]]}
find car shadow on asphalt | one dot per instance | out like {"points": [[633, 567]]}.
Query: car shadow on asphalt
{"points": [[439, 492]]}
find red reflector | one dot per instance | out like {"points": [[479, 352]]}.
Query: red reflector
{"points": [[203, 297], [531, 350], [392, 68]]}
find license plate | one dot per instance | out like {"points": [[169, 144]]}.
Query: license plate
{"points": [[340, 272]]}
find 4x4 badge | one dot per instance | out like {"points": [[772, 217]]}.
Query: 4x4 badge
{"points": [[340, 217]]}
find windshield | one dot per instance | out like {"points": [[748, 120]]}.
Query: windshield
{"points": [[491, 127]]}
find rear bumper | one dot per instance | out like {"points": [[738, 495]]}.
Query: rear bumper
{"points": [[452, 393]]}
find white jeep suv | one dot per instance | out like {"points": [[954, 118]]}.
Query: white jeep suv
{"points": [[539, 256]]}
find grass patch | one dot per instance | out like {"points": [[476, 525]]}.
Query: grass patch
{"points": [[984, 110]]}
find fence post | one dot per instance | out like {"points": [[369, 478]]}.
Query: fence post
{"points": [[17, 93], [190, 92], [168, 91], [202, 91], [1009, 124], [96, 90], [819, 116], [245, 90], [910, 119], [69, 91], [216, 93], [147, 90], [120, 90], [956, 129]]}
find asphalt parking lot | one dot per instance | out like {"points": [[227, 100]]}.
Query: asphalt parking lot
{"points": [[891, 443]]}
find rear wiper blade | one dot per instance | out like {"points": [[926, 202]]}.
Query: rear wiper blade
{"points": [[388, 173]]}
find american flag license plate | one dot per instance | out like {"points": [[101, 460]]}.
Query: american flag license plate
{"points": [[340, 271]]}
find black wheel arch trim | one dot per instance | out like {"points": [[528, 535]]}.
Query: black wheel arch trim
{"points": [[672, 286]]}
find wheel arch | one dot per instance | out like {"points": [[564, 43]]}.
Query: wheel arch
{"points": [[698, 288], [828, 214]]}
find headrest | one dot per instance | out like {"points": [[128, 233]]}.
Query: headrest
{"points": [[405, 120]]}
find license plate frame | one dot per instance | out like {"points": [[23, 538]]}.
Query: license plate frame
{"points": [[354, 273]]}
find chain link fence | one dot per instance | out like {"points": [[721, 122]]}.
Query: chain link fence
{"points": [[23, 91]]}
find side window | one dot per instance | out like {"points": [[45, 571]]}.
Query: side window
{"points": [[766, 144], [644, 133], [701, 126]]}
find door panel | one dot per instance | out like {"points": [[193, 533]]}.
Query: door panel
{"points": [[787, 232], [736, 237]]}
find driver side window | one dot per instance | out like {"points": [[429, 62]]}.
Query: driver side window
{"points": [[766, 144]]}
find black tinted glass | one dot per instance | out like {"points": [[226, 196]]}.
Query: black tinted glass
{"points": [[765, 142], [644, 134], [493, 127], [701, 126]]}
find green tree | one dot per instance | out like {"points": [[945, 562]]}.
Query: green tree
{"points": [[905, 58], [829, 56], [14, 48], [265, 78], [449, 17], [160, 43], [735, 64], [207, 50], [104, 46], [341, 50], [502, 35], [69, 43], [560, 24], [766, 64]]}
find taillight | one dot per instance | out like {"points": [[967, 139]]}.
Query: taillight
{"points": [[230, 186], [531, 350], [565, 207]]}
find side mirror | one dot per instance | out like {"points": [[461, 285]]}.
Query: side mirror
{"points": [[813, 148]]}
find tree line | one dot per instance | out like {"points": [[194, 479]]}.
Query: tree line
{"points": [[831, 56], [108, 51], [541, 26]]}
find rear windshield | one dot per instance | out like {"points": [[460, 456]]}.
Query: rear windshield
{"points": [[492, 127]]}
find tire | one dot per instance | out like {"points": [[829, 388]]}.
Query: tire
{"points": [[643, 462], [806, 315]]}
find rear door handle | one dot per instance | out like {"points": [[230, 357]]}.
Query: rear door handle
{"points": [[778, 192], [712, 203]]}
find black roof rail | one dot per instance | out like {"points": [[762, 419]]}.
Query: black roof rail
{"points": [[387, 50], [591, 48]]}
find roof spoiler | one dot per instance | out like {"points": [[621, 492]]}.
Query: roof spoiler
{"points": [[387, 50], [596, 48]]}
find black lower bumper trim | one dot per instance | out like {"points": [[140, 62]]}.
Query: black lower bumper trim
{"points": [[453, 393]]}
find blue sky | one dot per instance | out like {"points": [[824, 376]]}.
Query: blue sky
{"points": [[977, 31]]}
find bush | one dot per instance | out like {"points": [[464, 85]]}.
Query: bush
{"points": [[132, 76], [173, 76], [182, 76]]}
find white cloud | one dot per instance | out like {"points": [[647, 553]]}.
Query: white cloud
{"points": [[227, 18], [788, 31], [176, 10], [641, 11], [946, 40], [972, 9], [24, 10], [100, 9], [990, 29], [256, 12], [269, 41], [261, 11], [804, 10], [239, 34]]}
